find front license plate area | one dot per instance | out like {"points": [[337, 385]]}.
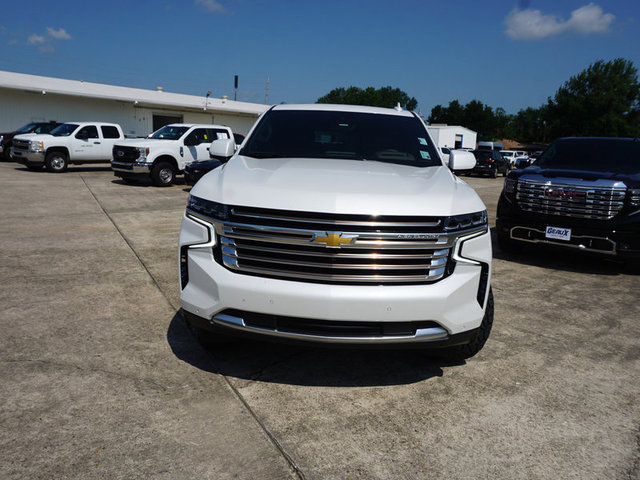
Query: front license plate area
{"points": [[558, 233]]}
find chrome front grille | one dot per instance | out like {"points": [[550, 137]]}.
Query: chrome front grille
{"points": [[313, 247], [599, 200]]}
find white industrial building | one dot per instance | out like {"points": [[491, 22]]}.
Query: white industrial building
{"points": [[30, 98], [453, 136]]}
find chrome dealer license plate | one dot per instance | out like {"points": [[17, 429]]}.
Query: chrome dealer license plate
{"points": [[557, 233]]}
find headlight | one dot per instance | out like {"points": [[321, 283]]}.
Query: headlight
{"points": [[143, 152], [466, 221], [634, 197], [510, 185], [36, 146], [208, 208]]}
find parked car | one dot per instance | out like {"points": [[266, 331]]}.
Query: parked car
{"points": [[6, 139], [338, 224], [166, 152], [194, 171], [72, 142], [490, 162], [581, 193], [513, 155], [444, 153]]}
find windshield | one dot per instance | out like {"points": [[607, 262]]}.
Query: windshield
{"points": [[27, 128], [593, 154], [64, 130], [507, 154], [169, 132], [342, 135]]}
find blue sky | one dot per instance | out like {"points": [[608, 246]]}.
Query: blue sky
{"points": [[509, 54]]}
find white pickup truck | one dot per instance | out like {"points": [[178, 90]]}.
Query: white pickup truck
{"points": [[165, 152], [71, 142], [338, 224]]}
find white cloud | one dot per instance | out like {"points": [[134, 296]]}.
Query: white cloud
{"points": [[212, 5], [35, 40], [532, 24], [60, 34]]}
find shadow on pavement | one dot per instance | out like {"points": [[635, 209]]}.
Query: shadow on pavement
{"points": [[303, 365], [70, 169]]}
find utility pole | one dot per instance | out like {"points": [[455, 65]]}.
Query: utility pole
{"points": [[235, 86], [266, 93]]}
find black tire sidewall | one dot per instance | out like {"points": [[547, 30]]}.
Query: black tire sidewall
{"points": [[50, 167], [155, 174]]}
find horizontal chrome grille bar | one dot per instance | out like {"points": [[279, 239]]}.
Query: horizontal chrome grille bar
{"points": [[272, 246], [584, 199]]}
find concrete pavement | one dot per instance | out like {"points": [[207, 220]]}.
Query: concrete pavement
{"points": [[101, 378]]}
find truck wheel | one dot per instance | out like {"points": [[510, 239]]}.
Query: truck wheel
{"points": [[56, 162], [462, 352], [163, 174]]}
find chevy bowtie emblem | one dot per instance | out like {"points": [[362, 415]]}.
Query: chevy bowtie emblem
{"points": [[334, 239]]}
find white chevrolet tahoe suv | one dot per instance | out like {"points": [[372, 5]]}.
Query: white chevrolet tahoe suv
{"points": [[71, 142], [165, 152], [338, 224]]}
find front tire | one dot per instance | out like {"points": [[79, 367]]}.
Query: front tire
{"points": [[462, 352], [56, 162], [163, 174]]}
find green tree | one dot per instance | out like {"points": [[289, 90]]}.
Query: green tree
{"points": [[529, 125], [603, 100], [474, 115], [381, 97]]}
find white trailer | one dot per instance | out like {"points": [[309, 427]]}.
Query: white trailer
{"points": [[453, 136]]}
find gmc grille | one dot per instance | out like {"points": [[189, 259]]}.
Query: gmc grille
{"points": [[593, 200], [324, 248]]}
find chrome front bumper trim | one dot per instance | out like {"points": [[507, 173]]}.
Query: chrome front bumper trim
{"points": [[584, 241], [422, 335], [137, 167]]}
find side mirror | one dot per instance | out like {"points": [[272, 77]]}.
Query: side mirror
{"points": [[222, 149], [461, 160], [523, 162]]}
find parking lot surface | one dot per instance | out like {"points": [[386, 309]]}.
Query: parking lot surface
{"points": [[102, 379]]}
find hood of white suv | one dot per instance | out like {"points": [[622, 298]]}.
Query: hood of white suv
{"points": [[341, 186]]}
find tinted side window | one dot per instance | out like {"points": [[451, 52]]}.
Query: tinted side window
{"points": [[109, 131], [90, 131], [216, 134], [196, 137]]}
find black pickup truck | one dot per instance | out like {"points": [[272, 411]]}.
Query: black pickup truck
{"points": [[581, 193]]}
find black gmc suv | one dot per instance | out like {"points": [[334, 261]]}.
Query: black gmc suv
{"points": [[582, 193]]}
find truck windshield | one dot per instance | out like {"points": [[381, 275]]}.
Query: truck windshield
{"points": [[169, 132], [64, 130], [342, 135], [27, 128], [593, 154]]}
